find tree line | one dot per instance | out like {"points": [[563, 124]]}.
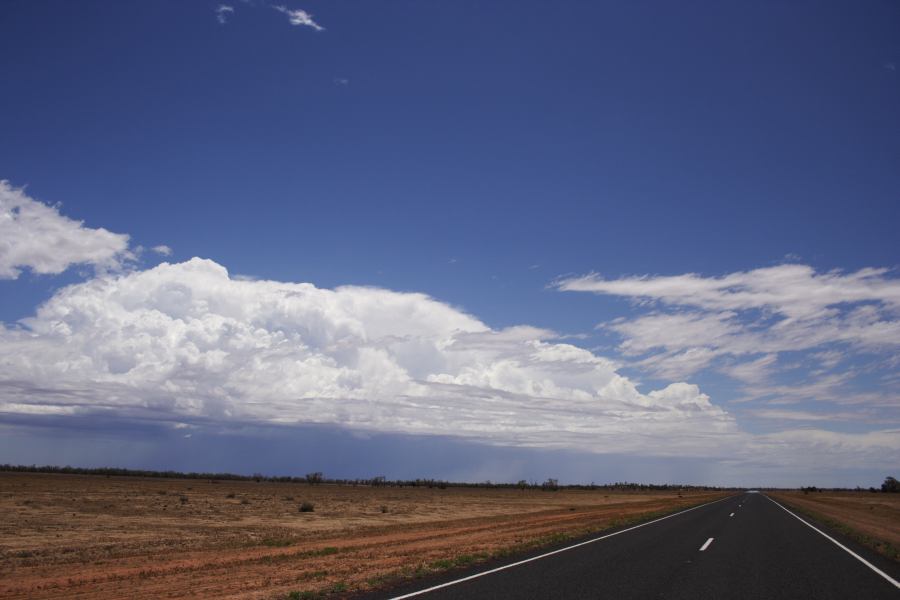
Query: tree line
{"points": [[317, 478]]}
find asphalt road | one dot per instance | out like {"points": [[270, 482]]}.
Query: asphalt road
{"points": [[745, 546]]}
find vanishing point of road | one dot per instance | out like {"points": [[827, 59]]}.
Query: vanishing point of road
{"points": [[744, 546]]}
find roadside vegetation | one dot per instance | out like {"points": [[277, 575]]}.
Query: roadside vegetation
{"points": [[136, 537], [318, 478], [870, 516]]}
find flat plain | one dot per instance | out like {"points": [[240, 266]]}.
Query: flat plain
{"points": [[870, 518], [84, 536]]}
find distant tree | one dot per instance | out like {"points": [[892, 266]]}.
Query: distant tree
{"points": [[890, 485], [522, 484], [313, 478], [377, 481], [550, 485]]}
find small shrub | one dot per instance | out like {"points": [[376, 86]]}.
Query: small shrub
{"points": [[466, 559], [441, 564], [307, 507], [384, 509], [245, 501], [229, 495], [183, 499]]}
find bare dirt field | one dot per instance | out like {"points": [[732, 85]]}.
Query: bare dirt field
{"points": [[82, 536], [871, 518]]}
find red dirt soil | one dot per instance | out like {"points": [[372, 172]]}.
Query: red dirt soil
{"points": [[78, 536]]}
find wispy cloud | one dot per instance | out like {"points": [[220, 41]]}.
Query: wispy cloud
{"points": [[298, 17], [692, 320], [781, 414], [223, 11]]}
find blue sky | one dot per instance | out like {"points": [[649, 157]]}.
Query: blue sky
{"points": [[547, 175]]}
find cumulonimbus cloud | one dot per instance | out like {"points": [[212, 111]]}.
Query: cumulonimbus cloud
{"points": [[183, 341], [36, 236]]}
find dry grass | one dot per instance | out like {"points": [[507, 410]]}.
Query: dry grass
{"points": [[871, 518], [92, 537]]}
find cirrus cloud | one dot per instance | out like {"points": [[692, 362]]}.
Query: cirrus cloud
{"points": [[752, 316], [298, 17]]}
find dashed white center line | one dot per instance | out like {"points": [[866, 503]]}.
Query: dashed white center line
{"points": [[551, 553], [706, 545], [731, 515]]}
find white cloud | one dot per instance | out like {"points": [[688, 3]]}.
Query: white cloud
{"points": [[187, 344], [793, 291], [747, 314], [754, 371], [162, 250], [782, 414], [36, 236], [186, 341], [815, 449], [298, 17], [223, 11]]}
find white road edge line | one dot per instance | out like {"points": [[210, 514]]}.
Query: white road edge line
{"points": [[706, 545], [840, 545], [545, 555]]}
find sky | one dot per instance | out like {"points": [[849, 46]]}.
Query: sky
{"points": [[593, 241]]}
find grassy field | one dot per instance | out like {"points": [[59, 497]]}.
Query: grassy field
{"points": [[128, 537], [870, 518]]}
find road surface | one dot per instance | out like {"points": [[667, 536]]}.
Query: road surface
{"points": [[745, 546]]}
